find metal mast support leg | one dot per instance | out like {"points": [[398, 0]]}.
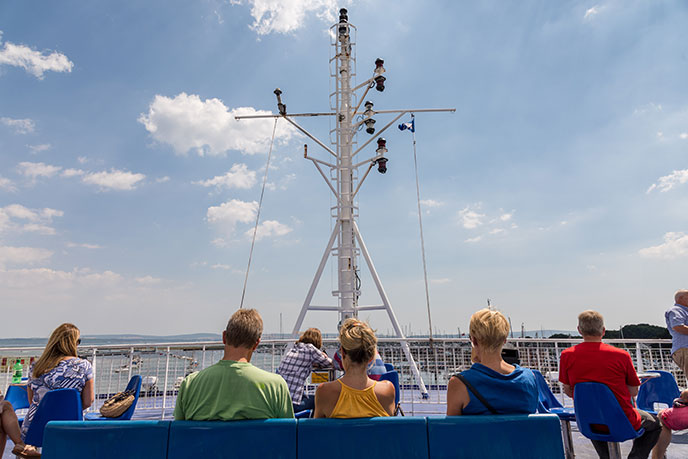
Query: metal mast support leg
{"points": [[314, 284], [392, 317]]}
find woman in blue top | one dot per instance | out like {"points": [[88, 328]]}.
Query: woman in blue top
{"points": [[507, 389], [59, 368]]}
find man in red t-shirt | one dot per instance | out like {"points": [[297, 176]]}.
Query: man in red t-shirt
{"points": [[594, 361]]}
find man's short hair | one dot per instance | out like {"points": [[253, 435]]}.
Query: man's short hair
{"points": [[680, 294], [591, 323], [244, 328], [489, 328]]}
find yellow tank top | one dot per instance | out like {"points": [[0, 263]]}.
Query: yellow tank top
{"points": [[355, 403]]}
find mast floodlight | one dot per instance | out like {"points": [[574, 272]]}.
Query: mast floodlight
{"points": [[379, 69], [343, 19], [280, 106], [380, 83], [370, 126], [380, 159]]}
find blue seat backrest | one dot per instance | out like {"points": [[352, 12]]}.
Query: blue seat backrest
{"points": [[661, 390], [269, 438], [393, 377], [395, 437], [596, 405], [56, 405], [545, 395], [106, 439], [526, 436], [16, 394], [134, 383], [389, 367]]}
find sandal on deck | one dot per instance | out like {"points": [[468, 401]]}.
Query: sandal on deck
{"points": [[25, 451]]}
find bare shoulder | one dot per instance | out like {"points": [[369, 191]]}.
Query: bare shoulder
{"points": [[329, 388], [384, 390]]}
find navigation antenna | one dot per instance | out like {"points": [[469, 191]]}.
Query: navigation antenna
{"points": [[346, 242]]}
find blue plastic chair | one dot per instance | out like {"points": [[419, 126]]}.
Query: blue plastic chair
{"points": [[393, 377], [657, 390], [134, 383], [389, 367], [596, 406], [305, 414], [17, 396], [56, 405], [548, 403]]}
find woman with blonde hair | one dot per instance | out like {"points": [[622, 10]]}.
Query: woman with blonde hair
{"points": [[491, 386], [298, 363], [355, 395], [59, 368]]}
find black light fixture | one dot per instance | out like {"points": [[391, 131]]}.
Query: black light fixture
{"points": [[381, 160], [368, 113], [379, 70], [343, 19]]}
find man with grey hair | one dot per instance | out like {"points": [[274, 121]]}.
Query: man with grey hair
{"points": [[677, 322], [234, 389], [594, 361]]}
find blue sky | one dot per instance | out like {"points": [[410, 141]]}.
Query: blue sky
{"points": [[128, 190]]}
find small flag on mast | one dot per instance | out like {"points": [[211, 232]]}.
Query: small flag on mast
{"points": [[410, 126]]}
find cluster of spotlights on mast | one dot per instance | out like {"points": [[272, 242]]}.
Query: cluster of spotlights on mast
{"points": [[379, 82]]}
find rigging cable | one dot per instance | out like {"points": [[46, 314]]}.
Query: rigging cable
{"points": [[260, 205], [422, 248]]}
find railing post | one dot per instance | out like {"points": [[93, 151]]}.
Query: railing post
{"points": [[131, 362], [639, 358], [203, 358], [95, 380], [164, 391]]}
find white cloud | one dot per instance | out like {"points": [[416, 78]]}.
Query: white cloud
{"points": [[592, 12], [68, 173], [35, 170], [229, 213], [22, 255], [428, 204], [7, 184], [237, 177], [34, 62], [496, 231], [469, 218], [39, 148], [83, 245], [648, 108], [148, 280], [270, 228], [162, 179], [22, 219], [208, 127], [82, 159], [683, 135], [669, 181], [113, 180], [675, 245], [472, 240], [284, 16], [20, 126], [505, 217]]}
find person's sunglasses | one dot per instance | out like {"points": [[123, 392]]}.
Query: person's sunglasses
{"points": [[78, 341]]}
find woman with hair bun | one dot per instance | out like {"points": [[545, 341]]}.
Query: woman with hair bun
{"points": [[59, 368], [355, 395], [491, 386]]}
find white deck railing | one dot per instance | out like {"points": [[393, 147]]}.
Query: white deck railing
{"points": [[164, 365]]}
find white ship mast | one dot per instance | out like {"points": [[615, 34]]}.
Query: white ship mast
{"points": [[346, 241]]}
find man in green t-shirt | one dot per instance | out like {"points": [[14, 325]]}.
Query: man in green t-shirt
{"points": [[233, 389]]}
